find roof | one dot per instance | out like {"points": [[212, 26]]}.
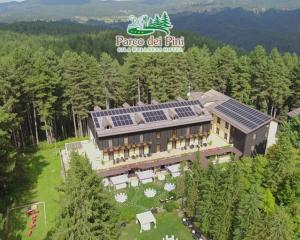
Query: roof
{"points": [[239, 115], [145, 218], [174, 168], [119, 179], [145, 174], [294, 113], [148, 117], [211, 96]]}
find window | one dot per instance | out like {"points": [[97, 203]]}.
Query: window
{"points": [[158, 148], [174, 133], [158, 135], [217, 130], [201, 129], [226, 136], [226, 125], [254, 136], [110, 143], [125, 140], [218, 120]]}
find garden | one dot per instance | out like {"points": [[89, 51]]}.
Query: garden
{"points": [[163, 205]]}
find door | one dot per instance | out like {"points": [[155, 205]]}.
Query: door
{"points": [[142, 150], [126, 153], [174, 144]]}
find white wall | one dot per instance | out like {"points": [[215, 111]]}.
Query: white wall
{"points": [[272, 134]]}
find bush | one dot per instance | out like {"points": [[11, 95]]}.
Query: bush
{"points": [[171, 206]]}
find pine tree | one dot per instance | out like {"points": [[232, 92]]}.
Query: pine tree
{"points": [[277, 226], [111, 81], [224, 61], [7, 152], [77, 87], [277, 82], [249, 215], [258, 61], [42, 86], [241, 81], [86, 211], [200, 70]]}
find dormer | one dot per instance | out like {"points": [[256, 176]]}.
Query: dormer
{"points": [[172, 114], [106, 123]]}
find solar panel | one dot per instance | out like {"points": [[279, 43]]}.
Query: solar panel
{"points": [[184, 112], [112, 112], [236, 117], [154, 116], [121, 120], [243, 114], [96, 122]]}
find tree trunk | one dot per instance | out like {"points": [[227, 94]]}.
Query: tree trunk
{"points": [[62, 129], [30, 125], [139, 90], [275, 112], [107, 100], [74, 122], [36, 127], [271, 111], [80, 127], [22, 137], [15, 138]]}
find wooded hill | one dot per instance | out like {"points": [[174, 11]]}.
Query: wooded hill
{"points": [[49, 83]]}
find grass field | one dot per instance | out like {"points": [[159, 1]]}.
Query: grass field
{"points": [[38, 180], [167, 224]]}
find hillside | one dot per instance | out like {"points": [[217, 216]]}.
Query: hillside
{"points": [[112, 10], [246, 29]]}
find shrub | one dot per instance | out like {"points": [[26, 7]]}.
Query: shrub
{"points": [[171, 206]]}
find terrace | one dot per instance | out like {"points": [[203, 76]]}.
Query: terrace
{"points": [[216, 146]]}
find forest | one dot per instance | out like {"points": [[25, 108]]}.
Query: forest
{"points": [[49, 83], [253, 198]]}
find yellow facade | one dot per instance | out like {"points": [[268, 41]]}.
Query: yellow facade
{"points": [[222, 128]]}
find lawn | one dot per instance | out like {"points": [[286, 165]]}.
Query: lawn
{"points": [[38, 180], [168, 223]]}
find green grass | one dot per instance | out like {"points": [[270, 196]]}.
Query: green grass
{"points": [[38, 180], [167, 224]]}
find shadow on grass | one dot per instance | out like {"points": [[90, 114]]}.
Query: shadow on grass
{"points": [[21, 191]]}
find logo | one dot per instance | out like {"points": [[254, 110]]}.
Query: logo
{"points": [[145, 25]]}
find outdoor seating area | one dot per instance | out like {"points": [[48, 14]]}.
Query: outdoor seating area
{"points": [[150, 192], [174, 170], [134, 182], [146, 219], [119, 182], [169, 187], [145, 176], [121, 197]]}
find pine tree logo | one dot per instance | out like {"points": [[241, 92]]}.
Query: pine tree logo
{"points": [[145, 25]]}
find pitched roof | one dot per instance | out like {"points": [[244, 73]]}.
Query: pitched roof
{"points": [[239, 115], [148, 117]]}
